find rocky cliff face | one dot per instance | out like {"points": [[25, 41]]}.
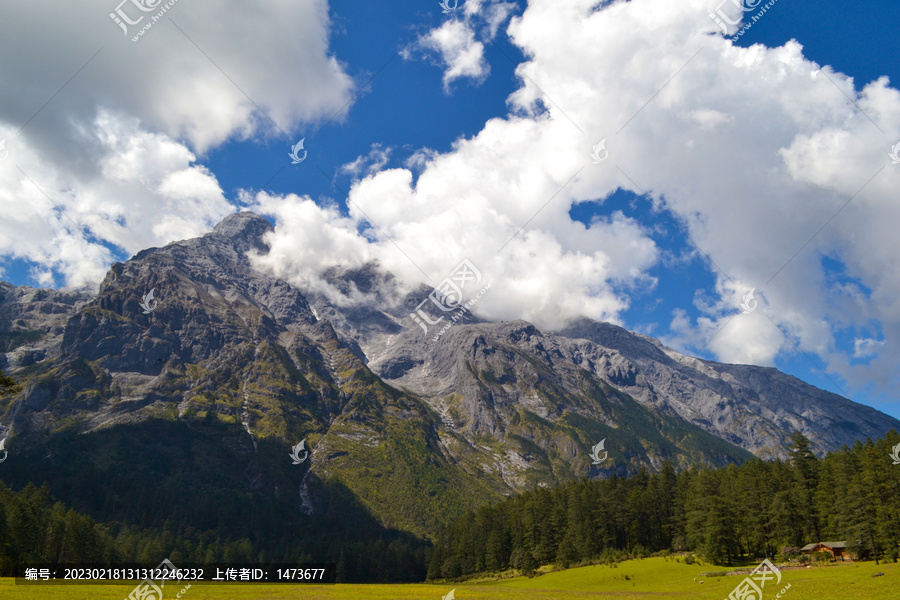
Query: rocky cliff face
{"points": [[755, 408], [418, 428]]}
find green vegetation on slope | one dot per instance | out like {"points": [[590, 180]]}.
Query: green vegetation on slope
{"points": [[158, 489], [726, 514], [7, 383]]}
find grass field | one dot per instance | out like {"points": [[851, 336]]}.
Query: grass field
{"points": [[655, 578]]}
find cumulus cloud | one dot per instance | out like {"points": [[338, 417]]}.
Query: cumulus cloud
{"points": [[310, 238], [84, 180], [202, 73], [770, 161], [141, 190], [458, 51], [459, 43]]}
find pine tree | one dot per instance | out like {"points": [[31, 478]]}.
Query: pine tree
{"points": [[806, 479]]}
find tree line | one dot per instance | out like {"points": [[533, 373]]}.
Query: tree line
{"points": [[35, 528], [761, 508]]}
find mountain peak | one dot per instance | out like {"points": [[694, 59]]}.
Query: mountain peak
{"points": [[246, 226]]}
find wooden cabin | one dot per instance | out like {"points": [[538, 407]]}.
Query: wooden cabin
{"points": [[836, 549]]}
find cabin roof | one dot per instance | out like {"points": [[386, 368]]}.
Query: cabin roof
{"points": [[832, 545]]}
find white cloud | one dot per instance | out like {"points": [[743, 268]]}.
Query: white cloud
{"points": [[866, 347], [203, 85], [466, 205], [419, 159], [494, 14], [310, 239], [460, 53], [141, 190], [377, 158], [457, 43], [205, 73], [710, 119], [753, 149]]}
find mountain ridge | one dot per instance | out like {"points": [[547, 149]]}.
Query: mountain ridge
{"points": [[418, 430]]}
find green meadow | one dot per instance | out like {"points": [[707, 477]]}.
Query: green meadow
{"points": [[631, 580]]}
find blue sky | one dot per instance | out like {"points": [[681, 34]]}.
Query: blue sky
{"points": [[389, 89]]}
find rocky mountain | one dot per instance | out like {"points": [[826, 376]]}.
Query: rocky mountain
{"points": [[755, 408], [417, 425]]}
